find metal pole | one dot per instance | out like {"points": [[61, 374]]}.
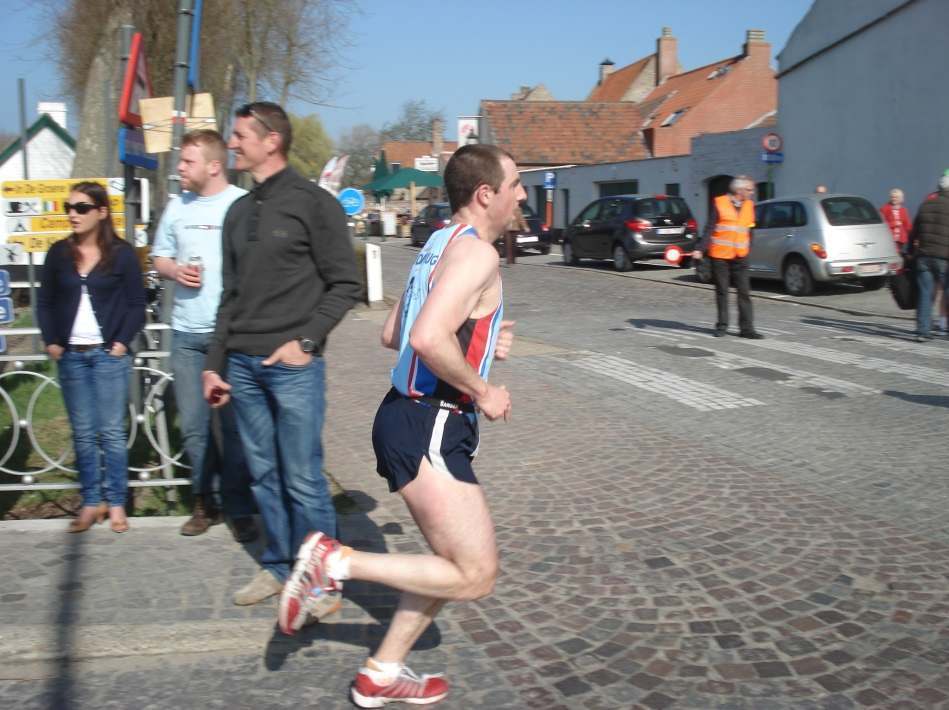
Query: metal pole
{"points": [[179, 113], [21, 87], [30, 266], [131, 187]]}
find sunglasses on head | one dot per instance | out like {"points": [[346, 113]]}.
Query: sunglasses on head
{"points": [[249, 110], [79, 207]]}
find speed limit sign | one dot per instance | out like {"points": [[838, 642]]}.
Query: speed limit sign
{"points": [[771, 142]]}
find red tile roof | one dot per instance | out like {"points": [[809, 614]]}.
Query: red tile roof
{"points": [[685, 90], [615, 86], [561, 132], [405, 152]]}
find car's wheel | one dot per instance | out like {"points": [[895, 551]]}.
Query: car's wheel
{"points": [[873, 283], [797, 277], [685, 262], [621, 260], [568, 256], [703, 271], [544, 249]]}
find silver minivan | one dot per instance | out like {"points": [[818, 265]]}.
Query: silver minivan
{"points": [[805, 239]]}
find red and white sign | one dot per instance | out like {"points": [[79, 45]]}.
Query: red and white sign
{"points": [[673, 255], [136, 84], [771, 142]]}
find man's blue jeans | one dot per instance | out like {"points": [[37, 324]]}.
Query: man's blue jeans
{"points": [[280, 412], [218, 473], [930, 275], [95, 388]]}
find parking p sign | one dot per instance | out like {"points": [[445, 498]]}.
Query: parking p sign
{"points": [[550, 180]]}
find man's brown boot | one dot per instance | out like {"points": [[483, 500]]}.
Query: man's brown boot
{"points": [[200, 519]]}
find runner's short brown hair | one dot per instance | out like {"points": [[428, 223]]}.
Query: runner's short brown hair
{"points": [[470, 167]]}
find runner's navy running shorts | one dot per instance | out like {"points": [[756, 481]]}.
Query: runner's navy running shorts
{"points": [[406, 429]]}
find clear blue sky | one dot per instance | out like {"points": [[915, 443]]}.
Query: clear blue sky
{"points": [[453, 54]]}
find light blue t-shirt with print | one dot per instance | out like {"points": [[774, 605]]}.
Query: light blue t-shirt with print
{"points": [[191, 226]]}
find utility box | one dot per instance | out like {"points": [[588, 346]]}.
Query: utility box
{"points": [[388, 224]]}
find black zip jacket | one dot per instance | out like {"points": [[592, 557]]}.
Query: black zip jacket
{"points": [[288, 271]]}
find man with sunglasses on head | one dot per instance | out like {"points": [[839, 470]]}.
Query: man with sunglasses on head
{"points": [[187, 250], [289, 276]]}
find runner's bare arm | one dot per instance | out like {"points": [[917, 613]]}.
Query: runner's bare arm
{"points": [[467, 271], [392, 330]]}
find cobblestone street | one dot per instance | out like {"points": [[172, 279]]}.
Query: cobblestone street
{"points": [[684, 522]]}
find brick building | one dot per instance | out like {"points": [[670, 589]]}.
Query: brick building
{"points": [[647, 109]]}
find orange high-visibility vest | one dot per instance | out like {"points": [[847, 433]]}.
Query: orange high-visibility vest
{"points": [[732, 234]]}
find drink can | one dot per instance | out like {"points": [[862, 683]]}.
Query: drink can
{"points": [[195, 261]]}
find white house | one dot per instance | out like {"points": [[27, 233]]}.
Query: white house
{"points": [[863, 104], [50, 149]]}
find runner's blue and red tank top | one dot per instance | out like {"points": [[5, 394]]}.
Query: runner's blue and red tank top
{"points": [[477, 336]]}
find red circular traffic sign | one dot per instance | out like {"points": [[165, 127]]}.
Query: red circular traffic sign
{"points": [[771, 142], [673, 255]]}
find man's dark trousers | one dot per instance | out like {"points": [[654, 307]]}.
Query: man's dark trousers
{"points": [[724, 272]]}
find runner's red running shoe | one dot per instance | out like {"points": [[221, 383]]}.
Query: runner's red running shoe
{"points": [[309, 591], [406, 688]]}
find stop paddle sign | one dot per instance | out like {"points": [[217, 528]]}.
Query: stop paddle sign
{"points": [[673, 255]]}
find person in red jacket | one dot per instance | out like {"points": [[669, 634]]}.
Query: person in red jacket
{"points": [[897, 218]]}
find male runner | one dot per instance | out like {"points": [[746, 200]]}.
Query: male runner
{"points": [[447, 328]]}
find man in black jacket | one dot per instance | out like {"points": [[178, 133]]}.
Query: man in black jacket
{"points": [[289, 276], [930, 246]]}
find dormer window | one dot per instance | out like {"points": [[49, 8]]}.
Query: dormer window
{"points": [[673, 117]]}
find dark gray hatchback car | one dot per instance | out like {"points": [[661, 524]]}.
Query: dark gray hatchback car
{"points": [[627, 228]]}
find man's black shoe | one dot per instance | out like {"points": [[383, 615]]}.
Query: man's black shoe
{"points": [[243, 529], [719, 332], [751, 335]]}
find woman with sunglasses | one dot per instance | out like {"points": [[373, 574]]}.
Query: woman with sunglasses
{"points": [[90, 305]]}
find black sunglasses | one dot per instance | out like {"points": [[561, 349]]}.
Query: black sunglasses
{"points": [[79, 207], [249, 110]]}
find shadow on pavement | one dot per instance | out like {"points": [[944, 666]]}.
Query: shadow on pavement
{"points": [[646, 323], [930, 400], [861, 327], [62, 691], [359, 531]]}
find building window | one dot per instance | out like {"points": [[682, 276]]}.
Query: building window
{"points": [[626, 187], [672, 189], [673, 117], [764, 190]]}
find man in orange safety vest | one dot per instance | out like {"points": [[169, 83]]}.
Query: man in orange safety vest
{"points": [[726, 242]]}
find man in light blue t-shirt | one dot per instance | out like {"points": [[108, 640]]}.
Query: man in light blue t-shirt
{"points": [[187, 250]]}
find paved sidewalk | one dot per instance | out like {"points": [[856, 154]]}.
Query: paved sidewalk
{"points": [[639, 568]]}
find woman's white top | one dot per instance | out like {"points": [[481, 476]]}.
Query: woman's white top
{"points": [[85, 329]]}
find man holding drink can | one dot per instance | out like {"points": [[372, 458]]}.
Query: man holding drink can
{"points": [[187, 250]]}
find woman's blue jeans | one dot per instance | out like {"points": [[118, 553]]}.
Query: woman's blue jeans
{"points": [[95, 388]]}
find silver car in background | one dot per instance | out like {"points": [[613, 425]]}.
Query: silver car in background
{"points": [[806, 239]]}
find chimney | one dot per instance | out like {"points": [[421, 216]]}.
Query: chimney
{"points": [[55, 109], [667, 63], [606, 68], [756, 47], [438, 138]]}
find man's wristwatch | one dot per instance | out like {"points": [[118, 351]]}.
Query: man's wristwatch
{"points": [[306, 345]]}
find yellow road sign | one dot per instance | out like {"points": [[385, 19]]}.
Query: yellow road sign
{"points": [[60, 223], [35, 242], [52, 189]]}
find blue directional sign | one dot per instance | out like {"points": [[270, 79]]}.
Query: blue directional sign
{"points": [[132, 149], [550, 180], [6, 310], [4, 282], [352, 200], [775, 157]]}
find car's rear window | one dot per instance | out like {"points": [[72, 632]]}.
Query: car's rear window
{"points": [[846, 211], [444, 213], [653, 207]]}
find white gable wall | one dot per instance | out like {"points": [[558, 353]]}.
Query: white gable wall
{"points": [[49, 158], [871, 113]]}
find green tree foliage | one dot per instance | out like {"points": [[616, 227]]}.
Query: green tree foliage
{"points": [[311, 146], [413, 124], [361, 143]]}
